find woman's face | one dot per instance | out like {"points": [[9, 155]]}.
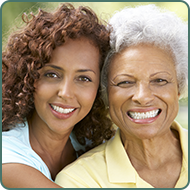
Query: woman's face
{"points": [[143, 91], [68, 85]]}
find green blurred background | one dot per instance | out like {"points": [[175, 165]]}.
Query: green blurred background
{"points": [[12, 13]]}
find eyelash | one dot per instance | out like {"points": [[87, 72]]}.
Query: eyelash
{"points": [[51, 75], [125, 82], [160, 81], [55, 75], [87, 79]]}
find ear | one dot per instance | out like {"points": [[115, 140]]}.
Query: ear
{"points": [[35, 83], [178, 91]]}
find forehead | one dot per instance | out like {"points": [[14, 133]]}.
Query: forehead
{"points": [[141, 57], [79, 51]]}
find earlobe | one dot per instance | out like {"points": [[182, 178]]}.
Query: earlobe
{"points": [[35, 84]]}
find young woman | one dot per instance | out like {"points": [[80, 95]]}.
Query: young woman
{"points": [[50, 73]]}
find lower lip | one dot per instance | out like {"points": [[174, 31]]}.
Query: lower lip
{"points": [[61, 115], [143, 121]]}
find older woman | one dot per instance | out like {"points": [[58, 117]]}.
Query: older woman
{"points": [[145, 75]]}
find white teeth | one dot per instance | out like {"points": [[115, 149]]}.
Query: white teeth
{"points": [[143, 115], [61, 110]]}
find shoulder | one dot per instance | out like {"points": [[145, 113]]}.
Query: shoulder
{"points": [[183, 138], [15, 144], [88, 161], [84, 171], [16, 148], [19, 134], [95, 154], [182, 131]]}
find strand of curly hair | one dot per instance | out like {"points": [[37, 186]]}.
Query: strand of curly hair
{"points": [[31, 48]]}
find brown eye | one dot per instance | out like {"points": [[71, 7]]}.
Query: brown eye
{"points": [[125, 83], [84, 79], [160, 81], [51, 75]]}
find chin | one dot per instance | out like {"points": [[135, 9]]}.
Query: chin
{"points": [[146, 134]]}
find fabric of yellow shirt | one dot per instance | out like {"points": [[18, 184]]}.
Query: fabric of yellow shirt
{"points": [[108, 166]]}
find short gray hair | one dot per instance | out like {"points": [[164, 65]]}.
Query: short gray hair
{"points": [[150, 24]]}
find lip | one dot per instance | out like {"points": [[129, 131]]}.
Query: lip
{"points": [[62, 115], [143, 121]]}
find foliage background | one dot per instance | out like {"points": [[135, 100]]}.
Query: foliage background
{"points": [[12, 20]]}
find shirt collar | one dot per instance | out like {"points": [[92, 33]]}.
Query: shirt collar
{"points": [[115, 155], [125, 173], [183, 136]]}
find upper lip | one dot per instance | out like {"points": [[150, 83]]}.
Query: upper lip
{"points": [[63, 106]]}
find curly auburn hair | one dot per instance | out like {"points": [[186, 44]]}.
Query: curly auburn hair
{"points": [[31, 48]]}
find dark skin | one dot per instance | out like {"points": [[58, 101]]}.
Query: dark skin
{"points": [[21, 175], [143, 80], [64, 95], [158, 170], [55, 158]]}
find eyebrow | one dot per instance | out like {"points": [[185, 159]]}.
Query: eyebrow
{"points": [[161, 72], [122, 74], [55, 67], [152, 75], [59, 68]]}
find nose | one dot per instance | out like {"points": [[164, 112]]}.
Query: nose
{"points": [[66, 90], [143, 94]]}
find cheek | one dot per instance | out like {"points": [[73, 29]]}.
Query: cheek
{"points": [[43, 91], [87, 96], [116, 101], [38, 100], [116, 98], [172, 108], [172, 102], [171, 99], [170, 95]]}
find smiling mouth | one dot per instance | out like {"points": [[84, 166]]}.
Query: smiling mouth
{"points": [[62, 110], [144, 115]]}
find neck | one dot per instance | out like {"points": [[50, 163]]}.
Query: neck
{"points": [[152, 153], [46, 139], [55, 149]]}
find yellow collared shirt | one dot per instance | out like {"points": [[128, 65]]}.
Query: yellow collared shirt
{"points": [[108, 166]]}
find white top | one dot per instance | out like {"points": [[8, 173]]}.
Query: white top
{"points": [[16, 148]]}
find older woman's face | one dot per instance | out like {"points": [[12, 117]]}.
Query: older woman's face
{"points": [[143, 91]]}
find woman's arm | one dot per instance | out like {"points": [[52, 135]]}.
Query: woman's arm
{"points": [[22, 176]]}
